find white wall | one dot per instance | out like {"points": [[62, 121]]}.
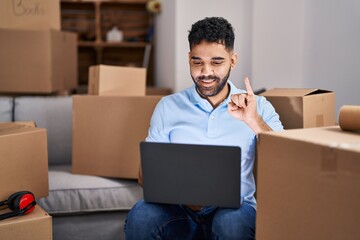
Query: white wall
{"points": [[310, 44], [172, 28], [332, 48], [277, 43], [164, 37]]}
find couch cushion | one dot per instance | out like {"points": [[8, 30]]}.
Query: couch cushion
{"points": [[53, 113], [6, 109], [73, 194]]}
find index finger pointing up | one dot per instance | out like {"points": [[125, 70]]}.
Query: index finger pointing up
{"points": [[248, 86]]}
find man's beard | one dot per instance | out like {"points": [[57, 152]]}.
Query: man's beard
{"points": [[211, 91]]}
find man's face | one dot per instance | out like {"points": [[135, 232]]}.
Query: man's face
{"points": [[210, 66]]}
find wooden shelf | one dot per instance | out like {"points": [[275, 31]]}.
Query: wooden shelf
{"points": [[92, 19]]}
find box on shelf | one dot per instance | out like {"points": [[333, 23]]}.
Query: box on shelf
{"points": [[34, 225], [303, 108], [107, 131], [37, 61], [24, 162], [30, 14], [117, 81], [309, 189]]}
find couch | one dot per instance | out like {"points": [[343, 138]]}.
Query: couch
{"points": [[82, 207]]}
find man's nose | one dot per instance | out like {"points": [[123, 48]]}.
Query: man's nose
{"points": [[207, 70]]}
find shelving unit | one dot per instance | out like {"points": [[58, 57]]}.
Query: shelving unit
{"points": [[92, 19]]}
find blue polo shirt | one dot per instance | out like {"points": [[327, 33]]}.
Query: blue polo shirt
{"points": [[185, 117]]}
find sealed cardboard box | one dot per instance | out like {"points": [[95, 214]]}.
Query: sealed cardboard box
{"points": [[303, 108], [39, 61], [117, 81], [35, 225], [30, 14], [107, 132], [309, 189], [24, 162]]}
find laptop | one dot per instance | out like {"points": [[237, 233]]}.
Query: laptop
{"points": [[189, 174]]}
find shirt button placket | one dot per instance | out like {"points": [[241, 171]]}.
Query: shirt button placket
{"points": [[211, 126]]}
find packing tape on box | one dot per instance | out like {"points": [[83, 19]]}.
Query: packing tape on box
{"points": [[349, 118]]}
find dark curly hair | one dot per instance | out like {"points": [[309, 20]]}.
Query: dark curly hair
{"points": [[212, 29]]}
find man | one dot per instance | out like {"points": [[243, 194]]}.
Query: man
{"points": [[212, 111]]}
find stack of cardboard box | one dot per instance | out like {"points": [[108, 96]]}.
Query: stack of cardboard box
{"points": [[36, 57], [110, 122], [24, 167], [308, 177]]}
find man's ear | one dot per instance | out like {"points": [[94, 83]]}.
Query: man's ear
{"points": [[233, 60]]}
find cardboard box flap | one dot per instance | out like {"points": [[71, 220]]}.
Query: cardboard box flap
{"points": [[328, 137], [293, 92], [318, 91], [36, 214], [13, 127]]}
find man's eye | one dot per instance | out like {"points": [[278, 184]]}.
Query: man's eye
{"points": [[196, 62], [217, 62]]}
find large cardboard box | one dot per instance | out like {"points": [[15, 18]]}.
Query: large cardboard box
{"points": [[35, 225], [308, 185], [30, 14], [24, 160], [39, 61], [303, 108], [107, 132], [158, 91], [117, 81]]}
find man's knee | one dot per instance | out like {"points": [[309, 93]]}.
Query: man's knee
{"points": [[153, 221], [143, 214], [234, 223]]}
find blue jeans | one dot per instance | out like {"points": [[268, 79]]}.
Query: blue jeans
{"points": [[167, 221]]}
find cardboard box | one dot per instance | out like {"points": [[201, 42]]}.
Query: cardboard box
{"points": [[308, 185], [158, 91], [30, 14], [107, 132], [117, 81], [41, 61], [24, 160], [303, 108], [35, 225]]}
